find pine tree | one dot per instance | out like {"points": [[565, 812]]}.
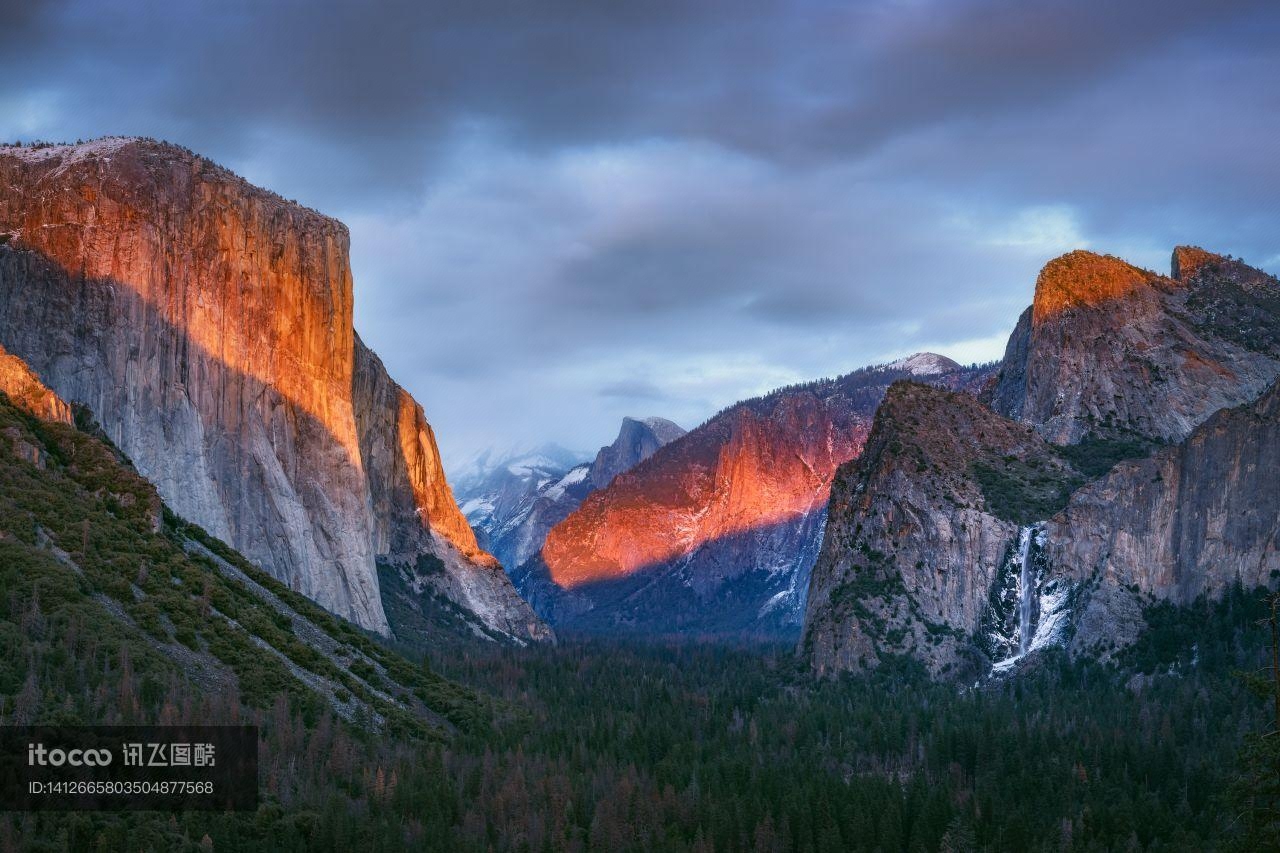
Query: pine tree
{"points": [[1256, 793], [959, 837]]}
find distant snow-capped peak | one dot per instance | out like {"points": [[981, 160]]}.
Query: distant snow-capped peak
{"points": [[923, 364]]}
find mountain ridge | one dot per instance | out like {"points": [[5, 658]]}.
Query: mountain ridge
{"points": [[1177, 375], [725, 520], [518, 502]]}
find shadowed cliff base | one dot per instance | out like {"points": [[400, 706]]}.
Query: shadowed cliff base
{"points": [[715, 591], [1187, 521]]}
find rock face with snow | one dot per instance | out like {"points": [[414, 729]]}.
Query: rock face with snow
{"points": [[919, 532], [637, 440], [500, 493], [717, 531], [1110, 361], [923, 364], [206, 324], [515, 505]]}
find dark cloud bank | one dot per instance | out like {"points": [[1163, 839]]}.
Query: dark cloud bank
{"points": [[564, 212]]}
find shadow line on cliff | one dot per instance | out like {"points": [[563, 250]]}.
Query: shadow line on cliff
{"points": [[48, 313], [707, 592]]}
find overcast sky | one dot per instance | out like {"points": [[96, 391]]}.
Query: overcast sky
{"points": [[566, 212]]}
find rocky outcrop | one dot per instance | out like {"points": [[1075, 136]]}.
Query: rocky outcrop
{"points": [[1108, 350], [414, 512], [1190, 520], [637, 440], [919, 529], [717, 531], [206, 323], [412, 503], [1111, 361], [25, 390]]}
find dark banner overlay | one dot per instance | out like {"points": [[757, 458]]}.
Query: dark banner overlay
{"points": [[128, 768]]}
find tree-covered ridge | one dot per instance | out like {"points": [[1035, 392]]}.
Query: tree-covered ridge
{"points": [[116, 612], [81, 530]]}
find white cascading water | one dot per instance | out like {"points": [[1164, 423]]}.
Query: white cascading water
{"points": [[1026, 589], [1043, 607]]}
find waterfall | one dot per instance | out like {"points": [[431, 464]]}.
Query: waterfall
{"points": [[1026, 589], [1033, 604]]}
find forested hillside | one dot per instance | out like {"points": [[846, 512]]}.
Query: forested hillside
{"points": [[713, 748]]}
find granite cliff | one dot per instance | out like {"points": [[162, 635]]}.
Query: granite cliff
{"points": [[637, 440], [414, 515], [27, 392], [1190, 520], [207, 325], [24, 390], [1108, 350], [1123, 461], [920, 528]]}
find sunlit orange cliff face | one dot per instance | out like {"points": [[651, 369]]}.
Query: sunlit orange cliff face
{"points": [[1108, 350], [1084, 279], [26, 390], [207, 324], [745, 492], [412, 502], [747, 470]]}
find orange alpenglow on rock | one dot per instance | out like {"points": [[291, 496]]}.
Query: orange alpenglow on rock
{"points": [[412, 502], [207, 324], [27, 392], [1108, 350], [769, 471], [743, 493], [1189, 260], [1082, 278]]}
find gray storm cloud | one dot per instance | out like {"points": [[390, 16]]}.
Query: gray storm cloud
{"points": [[564, 212]]}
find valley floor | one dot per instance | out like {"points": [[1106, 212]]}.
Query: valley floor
{"points": [[610, 746], [675, 747]]}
